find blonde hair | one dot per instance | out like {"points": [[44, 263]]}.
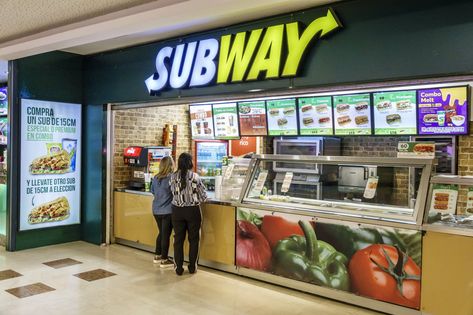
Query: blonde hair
{"points": [[166, 167]]}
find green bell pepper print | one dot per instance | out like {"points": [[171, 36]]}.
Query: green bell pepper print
{"points": [[304, 258], [349, 240]]}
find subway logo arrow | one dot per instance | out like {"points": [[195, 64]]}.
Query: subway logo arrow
{"points": [[265, 53]]}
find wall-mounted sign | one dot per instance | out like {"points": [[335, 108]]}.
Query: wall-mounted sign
{"points": [[282, 117], [443, 111], [201, 121], [252, 118], [50, 164], [264, 53], [226, 121], [352, 114], [395, 113], [315, 116]]}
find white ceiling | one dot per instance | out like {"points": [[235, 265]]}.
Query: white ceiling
{"points": [[144, 22]]}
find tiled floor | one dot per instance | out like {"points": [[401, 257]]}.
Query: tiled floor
{"points": [[140, 287]]}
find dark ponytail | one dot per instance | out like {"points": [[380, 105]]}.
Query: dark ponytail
{"points": [[184, 164]]}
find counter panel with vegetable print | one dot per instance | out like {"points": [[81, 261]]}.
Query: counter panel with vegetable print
{"points": [[376, 262]]}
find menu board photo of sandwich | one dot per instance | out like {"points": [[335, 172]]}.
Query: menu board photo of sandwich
{"points": [[282, 117], [201, 121], [315, 116], [444, 198], [443, 111], [352, 114], [395, 113], [252, 118], [225, 118]]}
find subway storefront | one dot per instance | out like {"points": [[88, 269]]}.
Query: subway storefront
{"points": [[334, 143]]}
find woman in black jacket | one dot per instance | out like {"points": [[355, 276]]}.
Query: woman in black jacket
{"points": [[188, 192]]}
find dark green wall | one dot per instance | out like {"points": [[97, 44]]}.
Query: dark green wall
{"points": [[381, 40], [57, 76]]}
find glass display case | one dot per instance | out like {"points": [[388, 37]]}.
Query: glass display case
{"points": [[364, 188], [234, 175], [449, 206]]}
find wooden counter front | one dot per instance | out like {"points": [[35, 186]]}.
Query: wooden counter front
{"points": [[134, 222], [447, 274]]}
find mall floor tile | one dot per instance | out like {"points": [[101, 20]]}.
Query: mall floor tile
{"points": [[93, 275], [30, 290], [61, 263], [141, 287], [8, 274]]}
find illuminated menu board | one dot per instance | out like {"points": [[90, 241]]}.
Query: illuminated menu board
{"points": [[395, 113], [225, 118], [252, 118], [352, 114], [201, 121], [282, 117], [443, 111], [315, 116]]}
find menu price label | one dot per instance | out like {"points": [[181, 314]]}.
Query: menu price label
{"points": [[395, 113], [352, 114], [315, 116], [225, 117], [50, 164], [287, 182], [201, 121], [252, 118], [282, 117], [416, 149], [443, 111]]}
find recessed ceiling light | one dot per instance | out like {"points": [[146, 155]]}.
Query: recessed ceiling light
{"points": [[255, 90]]}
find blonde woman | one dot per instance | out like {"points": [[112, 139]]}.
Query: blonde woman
{"points": [[162, 211]]}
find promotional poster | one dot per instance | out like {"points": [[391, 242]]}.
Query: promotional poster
{"points": [[50, 164], [443, 111]]}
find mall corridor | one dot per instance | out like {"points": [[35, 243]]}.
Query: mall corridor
{"points": [[133, 285]]}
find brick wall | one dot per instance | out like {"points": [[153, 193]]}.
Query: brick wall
{"points": [[465, 166], [144, 127], [381, 147]]}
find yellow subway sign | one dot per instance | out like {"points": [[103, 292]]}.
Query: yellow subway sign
{"points": [[265, 53]]}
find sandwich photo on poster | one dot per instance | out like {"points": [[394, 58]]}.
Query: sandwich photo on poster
{"points": [[352, 114], [252, 118], [225, 118], [443, 111], [202, 126], [395, 113], [315, 116], [50, 164], [282, 117]]}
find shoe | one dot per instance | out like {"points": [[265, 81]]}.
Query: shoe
{"points": [[166, 263], [179, 271], [191, 269], [157, 259]]}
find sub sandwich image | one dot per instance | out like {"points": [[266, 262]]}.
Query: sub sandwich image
{"points": [[431, 118], [361, 106], [322, 109], [274, 112], [441, 201], [324, 120], [52, 211], [341, 108], [393, 119], [382, 106], [57, 163], [282, 121], [403, 105], [306, 108], [361, 120], [423, 148], [289, 111], [308, 121], [343, 120]]}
